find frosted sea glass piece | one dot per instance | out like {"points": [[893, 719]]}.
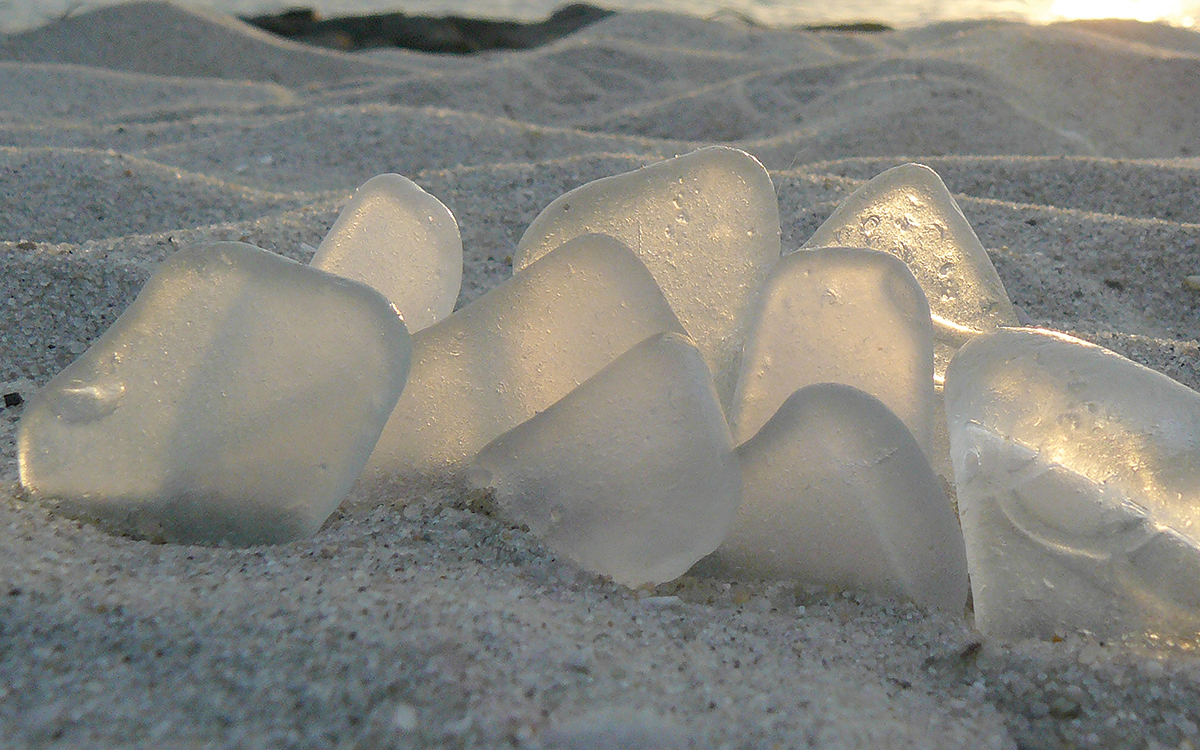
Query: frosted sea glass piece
{"points": [[706, 224], [515, 351], [837, 491], [235, 401], [908, 212], [632, 474], [839, 315], [400, 240], [1078, 475]]}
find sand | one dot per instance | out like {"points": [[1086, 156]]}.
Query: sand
{"points": [[408, 620]]}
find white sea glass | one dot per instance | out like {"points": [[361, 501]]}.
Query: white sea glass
{"points": [[1078, 477], [632, 474], [400, 240], [236, 400], [706, 224], [837, 491], [908, 212], [839, 315], [515, 351]]}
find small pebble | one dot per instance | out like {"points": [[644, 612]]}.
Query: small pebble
{"points": [[404, 718]]}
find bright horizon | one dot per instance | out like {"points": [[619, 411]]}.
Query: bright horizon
{"points": [[1172, 11]]}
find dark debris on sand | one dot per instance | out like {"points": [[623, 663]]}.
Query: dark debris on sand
{"points": [[445, 34]]}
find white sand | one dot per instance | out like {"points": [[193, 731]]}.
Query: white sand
{"points": [[411, 622]]}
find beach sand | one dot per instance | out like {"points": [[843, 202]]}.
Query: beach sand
{"points": [[408, 620]]}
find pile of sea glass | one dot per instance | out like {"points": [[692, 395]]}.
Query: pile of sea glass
{"points": [[655, 384]]}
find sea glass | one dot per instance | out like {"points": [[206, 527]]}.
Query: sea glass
{"points": [[837, 491], [632, 474], [908, 212], [1078, 477], [400, 240], [235, 401], [839, 315], [706, 224], [515, 351]]}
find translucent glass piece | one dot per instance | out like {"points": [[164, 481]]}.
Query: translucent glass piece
{"points": [[908, 212], [1078, 476], [236, 400], [515, 351], [839, 315], [632, 474], [837, 491], [400, 240], [706, 224]]}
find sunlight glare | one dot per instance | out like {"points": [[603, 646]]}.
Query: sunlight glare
{"points": [[1140, 10]]}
